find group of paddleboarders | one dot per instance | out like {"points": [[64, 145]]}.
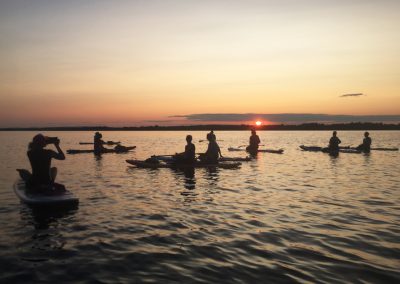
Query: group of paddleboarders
{"points": [[334, 142], [42, 178], [211, 156]]}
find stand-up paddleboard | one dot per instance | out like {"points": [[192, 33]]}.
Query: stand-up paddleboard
{"points": [[124, 150], [149, 165], [280, 151], [67, 198], [105, 143], [385, 149], [169, 158], [326, 150]]}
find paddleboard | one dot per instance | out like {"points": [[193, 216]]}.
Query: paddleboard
{"points": [[66, 198], [83, 151]]}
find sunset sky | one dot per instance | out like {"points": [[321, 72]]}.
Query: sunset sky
{"points": [[164, 62]]}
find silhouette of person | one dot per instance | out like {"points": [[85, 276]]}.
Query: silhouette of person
{"points": [[254, 141], [366, 144], [189, 156], [211, 135], [334, 143], [213, 152], [98, 143], [43, 175]]}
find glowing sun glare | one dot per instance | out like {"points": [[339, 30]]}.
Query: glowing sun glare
{"points": [[258, 123]]}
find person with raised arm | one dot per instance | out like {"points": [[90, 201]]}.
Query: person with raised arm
{"points": [[43, 175]]}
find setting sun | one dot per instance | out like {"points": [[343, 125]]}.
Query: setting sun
{"points": [[258, 123]]}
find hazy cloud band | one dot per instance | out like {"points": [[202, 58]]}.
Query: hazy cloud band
{"points": [[352, 95], [288, 117]]}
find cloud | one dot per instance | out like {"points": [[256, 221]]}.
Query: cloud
{"points": [[287, 117], [352, 95]]}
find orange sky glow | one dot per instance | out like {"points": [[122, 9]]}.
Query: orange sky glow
{"points": [[123, 63]]}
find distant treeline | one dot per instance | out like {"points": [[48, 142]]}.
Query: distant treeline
{"points": [[221, 127]]}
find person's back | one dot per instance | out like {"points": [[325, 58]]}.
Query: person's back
{"points": [[40, 160], [213, 152], [190, 153], [367, 141], [98, 143], [366, 145], [189, 156], [211, 136], [254, 142], [334, 142], [43, 175]]}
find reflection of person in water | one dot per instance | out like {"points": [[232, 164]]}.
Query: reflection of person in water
{"points": [[254, 141], [189, 156], [43, 175], [334, 143], [366, 144]]}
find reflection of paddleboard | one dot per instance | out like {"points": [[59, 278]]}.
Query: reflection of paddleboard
{"points": [[66, 198], [122, 150]]}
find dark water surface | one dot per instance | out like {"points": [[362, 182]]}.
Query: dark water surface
{"points": [[297, 217]]}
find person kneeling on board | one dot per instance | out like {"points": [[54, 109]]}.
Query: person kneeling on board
{"points": [[43, 175], [366, 144], [99, 148], [213, 152], [189, 156], [254, 141]]}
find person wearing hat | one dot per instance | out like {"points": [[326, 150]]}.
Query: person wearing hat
{"points": [[366, 144], [43, 175]]}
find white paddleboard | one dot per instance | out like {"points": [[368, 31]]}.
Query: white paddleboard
{"points": [[66, 198]]}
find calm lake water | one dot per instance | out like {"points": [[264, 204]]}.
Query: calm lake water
{"points": [[298, 217]]}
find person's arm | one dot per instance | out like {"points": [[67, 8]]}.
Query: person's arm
{"points": [[219, 151], [60, 154], [339, 141]]}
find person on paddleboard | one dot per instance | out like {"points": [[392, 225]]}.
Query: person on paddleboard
{"points": [[334, 143], [189, 156], [43, 175], [211, 135], [98, 145], [254, 141], [213, 152], [366, 144]]}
